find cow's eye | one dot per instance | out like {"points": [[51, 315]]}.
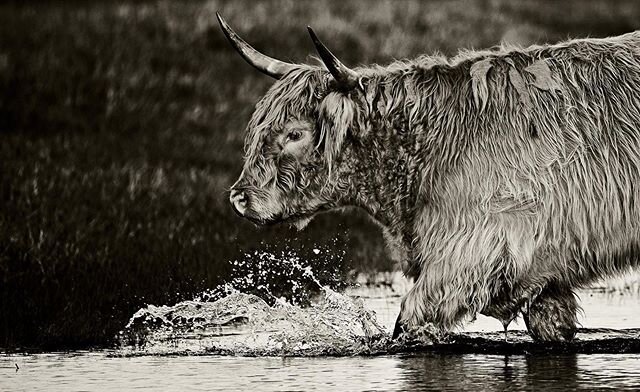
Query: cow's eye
{"points": [[294, 136]]}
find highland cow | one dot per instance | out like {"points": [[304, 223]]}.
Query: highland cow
{"points": [[503, 179]]}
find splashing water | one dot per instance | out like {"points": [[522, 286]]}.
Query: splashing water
{"points": [[230, 320], [275, 305], [284, 277]]}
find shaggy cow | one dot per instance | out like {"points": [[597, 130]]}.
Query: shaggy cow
{"points": [[503, 179]]}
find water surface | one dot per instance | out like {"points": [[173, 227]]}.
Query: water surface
{"points": [[182, 342], [429, 371]]}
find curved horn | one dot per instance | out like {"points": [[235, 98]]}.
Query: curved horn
{"points": [[265, 64], [344, 75]]}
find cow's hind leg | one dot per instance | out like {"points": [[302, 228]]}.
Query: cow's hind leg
{"points": [[551, 316]]}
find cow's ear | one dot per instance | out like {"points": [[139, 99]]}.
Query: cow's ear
{"points": [[337, 112]]}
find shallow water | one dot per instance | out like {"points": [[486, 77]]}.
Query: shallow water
{"points": [[428, 371], [605, 355]]}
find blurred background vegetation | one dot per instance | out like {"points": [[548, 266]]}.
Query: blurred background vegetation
{"points": [[121, 128]]}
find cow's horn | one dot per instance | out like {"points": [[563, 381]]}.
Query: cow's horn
{"points": [[265, 64], [345, 76]]}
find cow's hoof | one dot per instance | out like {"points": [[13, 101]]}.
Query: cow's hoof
{"points": [[398, 329], [551, 317], [551, 332]]}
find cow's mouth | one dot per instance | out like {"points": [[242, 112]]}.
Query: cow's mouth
{"points": [[299, 221], [262, 221]]}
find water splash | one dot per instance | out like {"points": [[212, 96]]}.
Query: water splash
{"points": [[249, 315], [276, 305], [285, 276]]}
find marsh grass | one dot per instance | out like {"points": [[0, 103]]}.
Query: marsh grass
{"points": [[625, 284], [121, 130]]}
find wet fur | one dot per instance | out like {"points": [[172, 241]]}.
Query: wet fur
{"points": [[495, 175]]}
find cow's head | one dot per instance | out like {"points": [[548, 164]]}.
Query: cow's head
{"points": [[295, 138]]}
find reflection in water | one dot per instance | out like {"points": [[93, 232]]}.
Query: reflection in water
{"points": [[479, 372], [461, 372], [547, 372], [423, 372]]}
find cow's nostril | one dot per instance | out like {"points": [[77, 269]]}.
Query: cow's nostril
{"points": [[239, 196], [239, 200]]}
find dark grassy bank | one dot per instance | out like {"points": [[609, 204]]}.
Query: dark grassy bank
{"points": [[121, 129]]}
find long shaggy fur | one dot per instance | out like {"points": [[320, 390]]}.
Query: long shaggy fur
{"points": [[495, 174], [532, 184]]}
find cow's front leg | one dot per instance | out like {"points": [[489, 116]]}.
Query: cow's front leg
{"points": [[551, 316], [419, 316]]}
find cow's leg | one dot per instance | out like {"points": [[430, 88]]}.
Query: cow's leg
{"points": [[551, 316], [421, 326], [412, 312], [421, 317]]}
